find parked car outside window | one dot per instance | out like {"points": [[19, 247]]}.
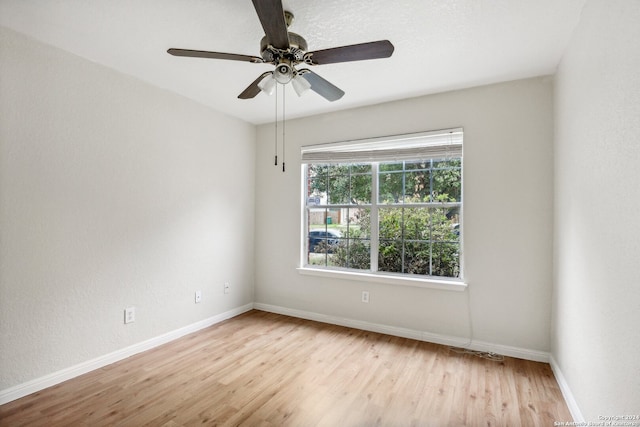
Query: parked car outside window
{"points": [[323, 241]]}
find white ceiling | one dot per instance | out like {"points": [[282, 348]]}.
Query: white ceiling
{"points": [[439, 44]]}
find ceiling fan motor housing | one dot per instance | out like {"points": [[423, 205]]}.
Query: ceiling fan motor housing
{"points": [[295, 53]]}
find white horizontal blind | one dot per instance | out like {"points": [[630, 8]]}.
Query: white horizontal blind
{"points": [[424, 145]]}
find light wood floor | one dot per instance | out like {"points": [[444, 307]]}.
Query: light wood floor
{"points": [[263, 369]]}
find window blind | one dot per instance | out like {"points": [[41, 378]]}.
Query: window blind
{"points": [[424, 146]]}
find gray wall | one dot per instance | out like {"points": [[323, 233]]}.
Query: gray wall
{"points": [[596, 315], [113, 193]]}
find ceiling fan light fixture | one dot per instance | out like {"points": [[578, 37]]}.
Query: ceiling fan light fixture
{"points": [[268, 85], [283, 73], [300, 84]]}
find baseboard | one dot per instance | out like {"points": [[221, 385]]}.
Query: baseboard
{"points": [[520, 353], [566, 391], [54, 378]]}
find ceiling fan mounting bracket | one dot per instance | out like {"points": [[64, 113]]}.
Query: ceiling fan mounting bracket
{"points": [[288, 18]]}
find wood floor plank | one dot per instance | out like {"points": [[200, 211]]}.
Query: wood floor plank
{"points": [[264, 369]]}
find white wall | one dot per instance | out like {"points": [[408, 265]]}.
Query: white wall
{"points": [[508, 187], [112, 193], [596, 315]]}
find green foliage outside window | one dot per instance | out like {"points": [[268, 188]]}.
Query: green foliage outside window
{"points": [[418, 215]]}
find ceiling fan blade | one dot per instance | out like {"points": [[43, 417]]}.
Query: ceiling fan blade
{"points": [[214, 55], [354, 52], [321, 86], [252, 90], [271, 15]]}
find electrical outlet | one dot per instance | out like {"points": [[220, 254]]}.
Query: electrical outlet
{"points": [[226, 287], [365, 296], [129, 314], [198, 296]]}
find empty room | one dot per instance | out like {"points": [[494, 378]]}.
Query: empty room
{"points": [[305, 213]]}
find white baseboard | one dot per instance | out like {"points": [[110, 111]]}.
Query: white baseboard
{"points": [[505, 350], [54, 378], [566, 391]]}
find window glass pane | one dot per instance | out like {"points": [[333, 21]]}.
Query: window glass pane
{"points": [[322, 242], [445, 260], [317, 182], [324, 234], [417, 244], [417, 187], [355, 250], [416, 257], [416, 224], [334, 257], [340, 238], [317, 239], [316, 218], [390, 239], [317, 187], [447, 185], [358, 223], [352, 253], [390, 187], [390, 223], [338, 189], [359, 254], [360, 189], [445, 251], [445, 225], [390, 256]]}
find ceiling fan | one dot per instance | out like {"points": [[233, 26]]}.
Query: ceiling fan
{"points": [[287, 50]]}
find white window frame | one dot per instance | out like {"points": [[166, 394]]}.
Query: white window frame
{"points": [[442, 143]]}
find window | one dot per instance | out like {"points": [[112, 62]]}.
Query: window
{"points": [[385, 206]]}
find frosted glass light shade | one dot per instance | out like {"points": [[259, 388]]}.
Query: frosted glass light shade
{"points": [[268, 85], [300, 84]]}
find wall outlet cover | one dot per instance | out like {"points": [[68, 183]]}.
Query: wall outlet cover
{"points": [[365, 296], [129, 315]]}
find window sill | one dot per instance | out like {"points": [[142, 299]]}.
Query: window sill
{"points": [[391, 279]]}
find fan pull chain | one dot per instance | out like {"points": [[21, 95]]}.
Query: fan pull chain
{"points": [[283, 125], [276, 133]]}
